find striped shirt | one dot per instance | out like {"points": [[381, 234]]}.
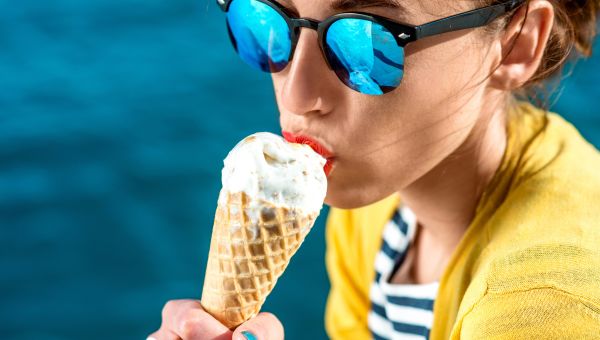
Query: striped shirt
{"points": [[399, 311]]}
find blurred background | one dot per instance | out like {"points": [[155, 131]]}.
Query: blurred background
{"points": [[115, 116]]}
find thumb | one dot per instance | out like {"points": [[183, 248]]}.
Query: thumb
{"points": [[264, 326]]}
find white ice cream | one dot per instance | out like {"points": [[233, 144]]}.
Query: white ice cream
{"points": [[265, 166]]}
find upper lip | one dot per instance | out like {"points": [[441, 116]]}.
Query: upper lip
{"points": [[314, 144]]}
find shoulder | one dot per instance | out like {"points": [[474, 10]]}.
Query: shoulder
{"points": [[539, 248], [529, 313], [553, 190], [548, 147]]}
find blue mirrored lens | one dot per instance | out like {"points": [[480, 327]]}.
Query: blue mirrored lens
{"points": [[365, 55], [259, 34]]}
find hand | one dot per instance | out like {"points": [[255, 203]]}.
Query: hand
{"points": [[187, 320]]}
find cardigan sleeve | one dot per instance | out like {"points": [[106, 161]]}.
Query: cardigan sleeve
{"points": [[541, 313]]}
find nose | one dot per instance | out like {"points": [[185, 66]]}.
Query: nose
{"points": [[309, 86]]}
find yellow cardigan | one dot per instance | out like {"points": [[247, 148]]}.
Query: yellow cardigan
{"points": [[528, 266]]}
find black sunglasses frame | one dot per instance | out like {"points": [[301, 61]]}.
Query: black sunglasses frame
{"points": [[403, 33]]}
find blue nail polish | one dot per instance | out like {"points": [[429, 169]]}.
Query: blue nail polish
{"points": [[249, 335]]}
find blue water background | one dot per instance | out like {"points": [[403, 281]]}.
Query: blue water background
{"points": [[115, 116]]}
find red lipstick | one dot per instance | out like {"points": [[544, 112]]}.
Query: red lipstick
{"points": [[316, 146]]}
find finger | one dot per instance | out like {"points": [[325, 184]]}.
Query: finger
{"points": [[264, 326], [188, 320]]}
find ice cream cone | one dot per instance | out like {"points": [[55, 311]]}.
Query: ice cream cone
{"points": [[252, 243]]}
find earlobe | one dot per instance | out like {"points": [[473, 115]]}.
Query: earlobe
{"points": [[523, 45]]}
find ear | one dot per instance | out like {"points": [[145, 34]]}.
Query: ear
{"points": [[523, 44]]}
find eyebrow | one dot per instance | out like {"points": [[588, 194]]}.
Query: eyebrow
{"points": [[349, 5], [346, 5]]}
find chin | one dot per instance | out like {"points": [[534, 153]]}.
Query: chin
{"points": [[352, 197]]}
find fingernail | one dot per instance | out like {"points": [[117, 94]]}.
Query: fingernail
{"points": [[150, 338], [248, 335]]}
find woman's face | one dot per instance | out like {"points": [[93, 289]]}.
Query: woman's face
{"points": [[382, 144]]}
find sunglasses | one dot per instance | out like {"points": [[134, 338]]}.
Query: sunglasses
{"points": [[365, 51]]}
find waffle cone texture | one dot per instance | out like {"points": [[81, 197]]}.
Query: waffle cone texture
{"points": [[246, 258]]}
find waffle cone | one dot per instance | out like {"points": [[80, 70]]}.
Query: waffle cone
{"points": [[246, 258]]}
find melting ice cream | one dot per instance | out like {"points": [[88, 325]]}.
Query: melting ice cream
{"points": [[267, 167]]}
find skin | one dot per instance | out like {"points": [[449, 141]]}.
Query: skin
{"points": [[437, 139]]}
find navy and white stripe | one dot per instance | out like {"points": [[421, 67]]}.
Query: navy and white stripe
{"points": [[399, 311]]}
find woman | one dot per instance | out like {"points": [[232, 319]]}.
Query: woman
{"points": [[460, 212]]}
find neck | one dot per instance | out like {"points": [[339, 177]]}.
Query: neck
{"points": [[444, 199]]}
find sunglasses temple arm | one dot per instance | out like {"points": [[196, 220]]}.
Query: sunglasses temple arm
{"points": [[472, 19]]}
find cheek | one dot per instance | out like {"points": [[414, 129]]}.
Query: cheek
{"points": [[384, 158], [277, 79], [440, 69], [385, 143], [406, 133]]}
